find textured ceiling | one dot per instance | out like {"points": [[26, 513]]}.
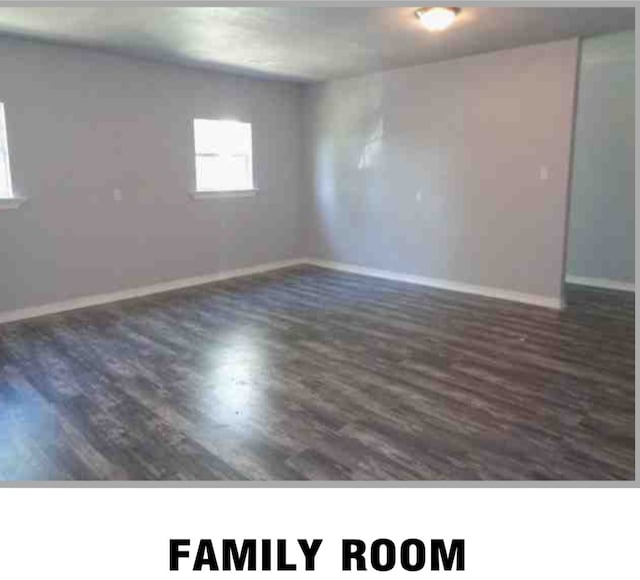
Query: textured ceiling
{"points": [[304, 43]]}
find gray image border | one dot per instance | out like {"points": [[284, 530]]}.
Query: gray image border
{"points": [[352, 484]]}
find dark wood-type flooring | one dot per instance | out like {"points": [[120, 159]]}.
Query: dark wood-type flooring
{"points": [[307, 373]]}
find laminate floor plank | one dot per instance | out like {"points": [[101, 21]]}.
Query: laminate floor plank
{"points": [[311, 374]]}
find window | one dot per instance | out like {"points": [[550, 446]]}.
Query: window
{"points": [[223, 156], [5, 171]]}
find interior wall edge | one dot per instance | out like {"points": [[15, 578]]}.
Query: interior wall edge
{"points": [[569, 181]]}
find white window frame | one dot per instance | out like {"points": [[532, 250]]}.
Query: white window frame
{"points": [[249, 191], [6, 189], [8, 198]]}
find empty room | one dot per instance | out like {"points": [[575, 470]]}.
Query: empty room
{"points": [[305, 243]]}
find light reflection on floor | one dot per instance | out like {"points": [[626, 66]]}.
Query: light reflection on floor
{"points": [[25, 424], [234, 378]]}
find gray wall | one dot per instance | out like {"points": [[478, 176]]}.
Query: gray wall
{"points": [[435, 170], [431, 170], [82, 123], [602, 216]]}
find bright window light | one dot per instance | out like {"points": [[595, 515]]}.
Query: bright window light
{"points": [[5, 170], [223, 155]]}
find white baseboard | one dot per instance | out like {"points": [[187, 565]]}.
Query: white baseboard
{"points": [[488, 291], [97, 299], [602, 283]]}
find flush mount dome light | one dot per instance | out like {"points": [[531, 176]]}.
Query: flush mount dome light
{"points": [[435, 19]]}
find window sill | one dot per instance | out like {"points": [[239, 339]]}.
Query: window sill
{"points": [[221, 194], [11, 202]]}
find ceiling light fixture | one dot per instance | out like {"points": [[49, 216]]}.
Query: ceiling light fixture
{"points": [[436, 19]]}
